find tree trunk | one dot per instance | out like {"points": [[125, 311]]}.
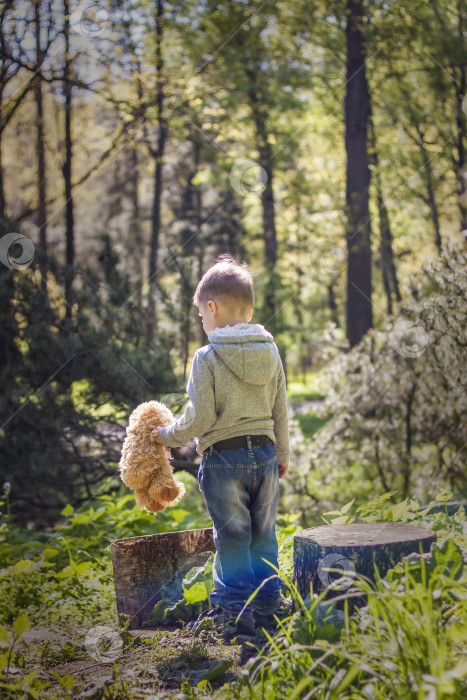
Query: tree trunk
{"points": [[272, 281], [353, 549], [358, 234], [142, 565], [2, 186], [430, 186], [136, 240], [459, 81], [332, 304], [388, 268], [203, 338], [41, 166], [159, 154], [67, 171], [408, 441], [461, 136]]}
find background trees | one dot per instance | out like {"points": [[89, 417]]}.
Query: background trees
{"points": [[322, 142]]}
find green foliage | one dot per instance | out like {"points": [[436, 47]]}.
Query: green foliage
{"points": [[310, 423], [65, 575], [61, 439], [409, 638], [395, 403], [198, 582], [409, 641]]}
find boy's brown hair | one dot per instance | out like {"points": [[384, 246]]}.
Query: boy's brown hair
{"points": [[228, 281]]}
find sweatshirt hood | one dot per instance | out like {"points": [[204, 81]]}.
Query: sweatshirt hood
{"points": [[248, 350]]}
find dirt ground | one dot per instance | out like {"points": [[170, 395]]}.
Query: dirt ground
{"points": [[148, 663]]}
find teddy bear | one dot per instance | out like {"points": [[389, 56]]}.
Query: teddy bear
{"points": [[144, 464]]}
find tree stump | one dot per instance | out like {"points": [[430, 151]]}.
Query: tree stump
{"points": [[142, 565], [352, 548]]}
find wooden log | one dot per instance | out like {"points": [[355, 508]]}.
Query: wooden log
{"points": [[353, 549], [142, 565]]}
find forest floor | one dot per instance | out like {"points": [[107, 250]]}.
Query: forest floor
{"points": [[153, 664], [306, 406]]}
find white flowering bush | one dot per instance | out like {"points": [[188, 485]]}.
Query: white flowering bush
{"points": [[397, 402]]}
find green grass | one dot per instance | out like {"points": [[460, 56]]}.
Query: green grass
{"points": [[410, 642], [310, 423], [303, 390]]}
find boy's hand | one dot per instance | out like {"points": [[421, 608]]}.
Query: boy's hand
{"points": [[283, 470]]}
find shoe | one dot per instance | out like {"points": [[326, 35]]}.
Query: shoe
{"points": [[223, 621], [267, 610]]}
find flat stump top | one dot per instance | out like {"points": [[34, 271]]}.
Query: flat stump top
{"points": [[190, 537], [363, 534]]}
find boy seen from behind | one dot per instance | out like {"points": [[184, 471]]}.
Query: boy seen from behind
{"points": [[237, 413]]}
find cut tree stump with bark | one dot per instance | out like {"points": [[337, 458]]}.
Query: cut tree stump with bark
{"points": [[352, 549], [142, 565]]}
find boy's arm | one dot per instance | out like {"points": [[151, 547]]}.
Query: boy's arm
{"points": [[281, 419], [200, 413]]}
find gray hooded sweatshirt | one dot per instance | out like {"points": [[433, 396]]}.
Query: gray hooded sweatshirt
{"points": [[236, 387]]}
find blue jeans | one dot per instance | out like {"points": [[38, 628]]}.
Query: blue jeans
{"points": [[241, 489]]}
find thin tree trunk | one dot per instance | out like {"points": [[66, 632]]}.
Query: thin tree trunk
{"points": [[2, 188], [408, 441], [358, 234], [41, 165], [332, 304], [156, 209], [459, 81], [267, 201], [461, 137], [388, 268], [203, 338], [67, 168], [430, 187], [136, 241]]}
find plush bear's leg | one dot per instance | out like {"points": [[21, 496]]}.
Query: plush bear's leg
{"points": [[168, 493], [144, 500]]}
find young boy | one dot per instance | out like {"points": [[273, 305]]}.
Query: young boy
{"points": [[237, 414]]}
